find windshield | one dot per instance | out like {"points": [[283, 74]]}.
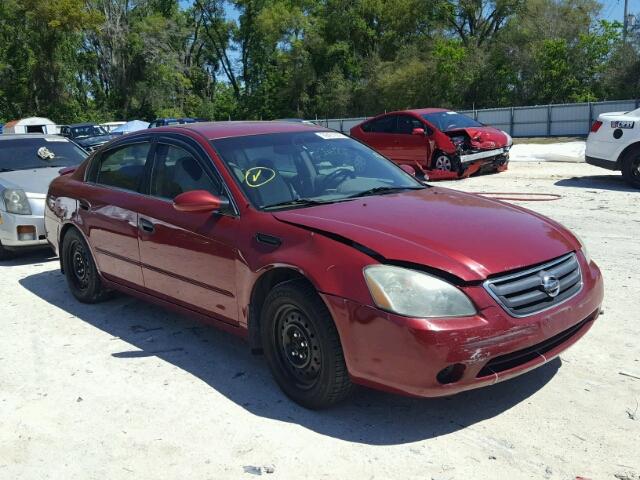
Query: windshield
{"points": [[28, 153], [285, 170], [445, 121], [87, 131]]}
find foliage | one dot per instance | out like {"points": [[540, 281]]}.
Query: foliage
{"points": [[77, 60]]}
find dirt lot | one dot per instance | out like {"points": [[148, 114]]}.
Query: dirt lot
{"points": [[127, 390]]}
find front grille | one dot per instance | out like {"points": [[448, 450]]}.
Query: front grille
{"points": [[515, 359], [523, 293]]}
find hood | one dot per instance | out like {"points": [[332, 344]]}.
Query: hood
{"points": [[97, 140], [466, 235], [483, 137], [35, 182]]}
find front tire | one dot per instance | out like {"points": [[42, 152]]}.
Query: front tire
{"points": [[631, 167], [5, 254], [80, 269], [302, 347]]}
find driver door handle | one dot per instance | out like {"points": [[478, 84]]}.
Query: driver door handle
{"points": [[146, 226]]}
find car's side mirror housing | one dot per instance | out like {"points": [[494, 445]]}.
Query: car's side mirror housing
{"points": [[410, 170], [418, 131], [200, 201]]}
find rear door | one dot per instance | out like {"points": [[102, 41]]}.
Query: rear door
{"points": [[379, 135], [188, 258], [108, 209]]}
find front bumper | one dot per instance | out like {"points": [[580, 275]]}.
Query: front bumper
{"points": [[405, 355], [9, 223]]}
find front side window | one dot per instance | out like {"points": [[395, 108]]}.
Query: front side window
{"points": [[177, 171], [30, 153], [445, 121], [282, 170], [124, 166], [406, 124]]}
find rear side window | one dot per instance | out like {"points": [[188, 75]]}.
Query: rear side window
{"points": [[381, 125], [124, 167], [177, 171]]}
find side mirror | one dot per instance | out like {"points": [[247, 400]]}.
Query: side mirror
{"points": [[408, 169], [418, 131], [199, 201]]}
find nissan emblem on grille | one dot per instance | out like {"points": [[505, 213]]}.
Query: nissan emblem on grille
{"points": [[550, 284], [535, 289]]}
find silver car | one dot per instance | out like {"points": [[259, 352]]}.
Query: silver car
{"points": [[28, 163]]}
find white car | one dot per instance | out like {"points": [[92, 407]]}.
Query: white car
{"points": [[28, 163], [614, 143]]}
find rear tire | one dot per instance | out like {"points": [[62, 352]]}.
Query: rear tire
{"points": [[80, 269], [302, 347], [631, 167]]}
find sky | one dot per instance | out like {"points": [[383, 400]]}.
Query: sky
{"points": [[614, 9]]}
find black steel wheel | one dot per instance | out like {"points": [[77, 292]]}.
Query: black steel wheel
{"points": [[302, 346], [631, 167], [79, 268]]}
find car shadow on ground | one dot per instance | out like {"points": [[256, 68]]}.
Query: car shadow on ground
{"points": [[613, 182], [36, 258], [225, 363]]}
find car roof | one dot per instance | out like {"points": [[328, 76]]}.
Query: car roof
{"points": [[85, 124], [16, 136], [215, 130], [422, 111]]}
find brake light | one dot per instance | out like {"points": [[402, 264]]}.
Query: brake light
{"points": [[596, 126]]}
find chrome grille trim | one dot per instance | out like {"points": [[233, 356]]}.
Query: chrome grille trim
{"points": [[520, 293]]}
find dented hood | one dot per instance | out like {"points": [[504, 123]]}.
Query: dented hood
{"points": [[465, 235], [484, 137]]}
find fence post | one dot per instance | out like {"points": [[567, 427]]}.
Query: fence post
{"points": [[637, 103], [341, 125], [549, 120], [511, 115]]}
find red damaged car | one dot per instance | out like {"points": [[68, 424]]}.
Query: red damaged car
{"points": [[308, 244], [449, 144]]}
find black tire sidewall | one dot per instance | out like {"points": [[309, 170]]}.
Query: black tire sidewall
{"points": [[319, 395], [627, 167], [94, 291]]}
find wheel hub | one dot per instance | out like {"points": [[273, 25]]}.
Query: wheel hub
{"points": [[443, 163], [298, 346], [80, 266]]}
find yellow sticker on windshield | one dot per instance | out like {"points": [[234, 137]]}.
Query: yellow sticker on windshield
{"points": [[258, 176]]}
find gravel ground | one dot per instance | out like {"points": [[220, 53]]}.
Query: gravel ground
{"points": [[127, 390]]}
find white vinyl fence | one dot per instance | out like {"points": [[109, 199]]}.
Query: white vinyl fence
{"points": [[571, 119]]}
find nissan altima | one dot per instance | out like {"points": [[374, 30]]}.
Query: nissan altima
{"points": [[334, 262]]}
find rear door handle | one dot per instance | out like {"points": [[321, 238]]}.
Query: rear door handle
{"points": [[145, 225]]}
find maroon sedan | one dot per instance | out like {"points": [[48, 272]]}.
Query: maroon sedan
{"points": [[338, 265], [436, 141]]}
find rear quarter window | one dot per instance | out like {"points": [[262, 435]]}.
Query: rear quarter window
{"points": [[123, 167]]}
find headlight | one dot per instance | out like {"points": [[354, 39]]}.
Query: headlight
{"points": [[15, 201], [415, 294], [583, 247]]}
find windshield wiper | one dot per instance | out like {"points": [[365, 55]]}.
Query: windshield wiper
{"points": [[6, 169], [381, 190], [298, 202]]}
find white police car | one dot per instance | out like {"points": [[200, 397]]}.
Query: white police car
{"points": [[614, 143]]}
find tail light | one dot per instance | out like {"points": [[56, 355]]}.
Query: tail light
{"points": [[596, 126]]}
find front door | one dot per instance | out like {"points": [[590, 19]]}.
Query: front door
{"points": [[411, 149], [107, 210], [188, 257]]}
